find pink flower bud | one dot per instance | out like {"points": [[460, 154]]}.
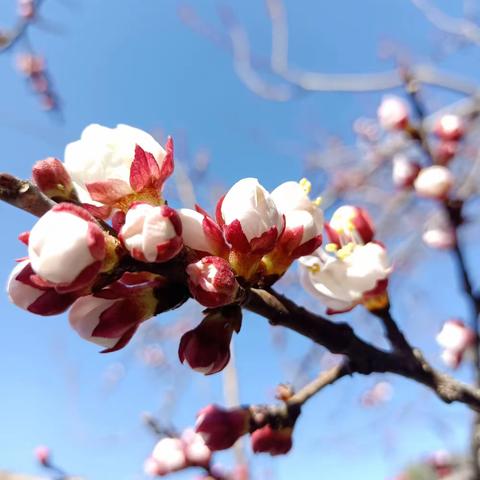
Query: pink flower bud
{"points": [[274, 442], [456, 339], [152, 234], [24, 293], [111, 317], [52, 178], [26, 9], [206, 348], [393, 113], [42, 455], [404, 171], [444, 152], [67, 247], [169, 455], [212, 282], [441, 238], [434, 182], [151, 468], [350, 224], [30, 65], [221, 428], [195, 449], [442, 463], [449, 128], [201, 233], [250, 219]]}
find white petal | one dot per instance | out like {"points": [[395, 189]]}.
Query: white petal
{"points": [[58, 247], [192, 231], [84, 316]]}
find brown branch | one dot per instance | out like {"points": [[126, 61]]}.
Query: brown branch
{"points": [[24, 195], [363, 357], [394, 334], [323, 380]]}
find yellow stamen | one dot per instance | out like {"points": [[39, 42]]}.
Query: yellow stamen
{"points": [[331, 247], [318, 201], [306, 185], [314, 268], [345, 251]]}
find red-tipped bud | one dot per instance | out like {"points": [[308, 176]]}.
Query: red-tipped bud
{"points": [[434, 182], [42, 454], [221, 428], [393, 113], [274, 442], [404, 171], [212, 282], [26, 294], [152, 234], [67, 247], [111, 317], [456, 339], [195, 448], [201, 233], [52, 179], [206, 348], [350, 224], [250, 219], [30, 65], [439, 237], [449, 128], [26, 9], [169, 456]]}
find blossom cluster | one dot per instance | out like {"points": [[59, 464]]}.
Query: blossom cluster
{"points": [[103, 249]]}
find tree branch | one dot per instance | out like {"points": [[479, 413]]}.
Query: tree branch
{"points": [[24, 195], [323, 380], [363, 357]]}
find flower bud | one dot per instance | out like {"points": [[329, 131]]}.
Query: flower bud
{"points": [[52, 179], [393, 113], [274, 442], [111, 317], [441, 238], [212, 282], [151, 468], [221, 428], [444, 152], [434, 182], [350, 224], [201, 233], [206, 348], [404, 171], [26, 9], [303, 220], [169, 455], [456, 339], [42, 454], [195, 449], [24, 293], [449, 128], [67, 247], [152, 234], [250, 219]]}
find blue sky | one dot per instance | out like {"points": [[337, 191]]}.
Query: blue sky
{"points": [[137, 63]]}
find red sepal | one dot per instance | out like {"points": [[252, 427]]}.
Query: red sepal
{"points": [[108, 191], [144, 172]]}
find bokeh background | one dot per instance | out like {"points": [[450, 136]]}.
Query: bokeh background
{"points": [[142, 64]]}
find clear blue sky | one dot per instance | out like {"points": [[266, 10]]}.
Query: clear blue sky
{"points": [[137, 63]]}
